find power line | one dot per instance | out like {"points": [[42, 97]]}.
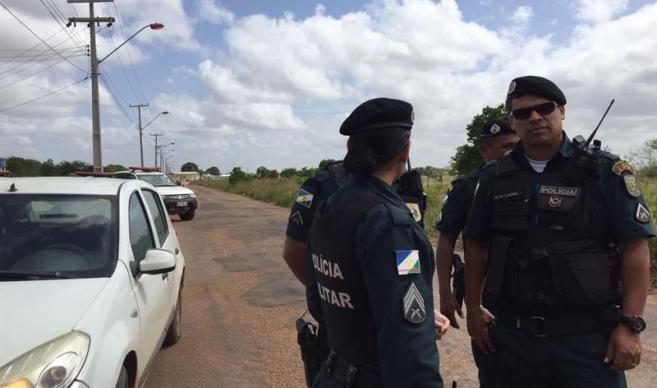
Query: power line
{"points": [[35, 34], [31, 75], [47, 55], [132, 62], [58, 19], [44, 96], [114, 97]]}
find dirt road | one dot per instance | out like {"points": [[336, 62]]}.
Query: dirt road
{"points": [[240, 302]]}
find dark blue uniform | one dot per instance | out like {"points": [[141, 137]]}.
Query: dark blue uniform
{"points": [[374, 266], [457, 203], [454, 213], [553, 263]]}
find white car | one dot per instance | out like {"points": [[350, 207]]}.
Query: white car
{"points": [[177, 199], [91, 278]]}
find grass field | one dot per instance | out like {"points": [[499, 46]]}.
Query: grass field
{"points": [[282, 192]]}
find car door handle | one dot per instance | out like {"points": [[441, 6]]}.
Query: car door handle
{"points": [[165, 276], [177, 251]]}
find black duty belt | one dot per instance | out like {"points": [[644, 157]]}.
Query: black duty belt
{"points": [[350, 375], [550, 327]]}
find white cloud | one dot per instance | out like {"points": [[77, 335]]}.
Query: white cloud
{"points": [[214, 12], [599, 10], [522, 15]]}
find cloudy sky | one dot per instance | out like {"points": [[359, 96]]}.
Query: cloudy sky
{"points": [[251, 83]]}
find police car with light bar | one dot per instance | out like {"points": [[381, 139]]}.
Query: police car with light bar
{"points": [[178, 200]]}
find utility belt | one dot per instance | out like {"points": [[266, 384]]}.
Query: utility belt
{"points": [[538, 326], [583, 273], [350, 375]]}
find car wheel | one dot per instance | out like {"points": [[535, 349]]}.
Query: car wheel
{"points": [[123, 381], [173, 333], [188, 215]]}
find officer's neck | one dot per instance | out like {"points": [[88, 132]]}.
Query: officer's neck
{"points": [[543, 152], [388, 176]]}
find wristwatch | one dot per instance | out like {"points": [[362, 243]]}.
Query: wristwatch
{"points": [[634, 323]]}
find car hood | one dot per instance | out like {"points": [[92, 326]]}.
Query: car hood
{"points": [[173, 190], [36, 311]]}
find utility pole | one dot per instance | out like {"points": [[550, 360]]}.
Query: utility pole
{"points": [[141, 146], [156, 136], [95, 106]]}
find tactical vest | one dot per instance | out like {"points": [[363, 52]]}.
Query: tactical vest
{"points": [[345, 301], [549, 255]]}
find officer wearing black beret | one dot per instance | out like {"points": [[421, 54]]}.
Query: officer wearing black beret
{"points": [[495, 140], [560, 233], [373, 264]]}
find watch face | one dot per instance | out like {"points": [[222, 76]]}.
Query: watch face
{"points": [[636, 324]]}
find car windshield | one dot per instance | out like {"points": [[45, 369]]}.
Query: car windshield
{"points": [[57, 236], [157, 179]]}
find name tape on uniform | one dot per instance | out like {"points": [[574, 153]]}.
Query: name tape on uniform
{"points": [[408, 262], [305, 198]]}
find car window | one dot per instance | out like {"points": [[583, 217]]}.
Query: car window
{"points": [[72, 234], [159, 218], [141, 236], [157, 180], [125, 175]]}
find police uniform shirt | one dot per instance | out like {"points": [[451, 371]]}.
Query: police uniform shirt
{"points": [[626, 211], [396, 265], [457, 202], [313, 191]]}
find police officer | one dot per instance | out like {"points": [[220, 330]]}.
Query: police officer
{"points": [[496, 138], [373, 263], [564, 229]]}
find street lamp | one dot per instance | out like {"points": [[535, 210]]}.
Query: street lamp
{"points": [[95, 106], [141, 130]]}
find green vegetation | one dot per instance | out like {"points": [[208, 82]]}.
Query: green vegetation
{"points": [[281, 192], [30, 167], [467, 156]]}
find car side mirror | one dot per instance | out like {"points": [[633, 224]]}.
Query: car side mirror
{"points": [[157, 261]]}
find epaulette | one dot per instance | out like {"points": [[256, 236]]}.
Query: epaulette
{"points": [[322, 176], [399, 216]]}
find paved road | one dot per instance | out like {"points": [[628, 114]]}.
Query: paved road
{"points": [[240, 303]]}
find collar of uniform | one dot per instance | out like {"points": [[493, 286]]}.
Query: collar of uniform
{"points": [[566, 150], [379, 187]]}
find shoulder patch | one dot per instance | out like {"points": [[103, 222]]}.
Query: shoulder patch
{"points": [[413, 305], [305, 198], [631, 185], [642, 214], [296, 219], [408, 262], [622, 166], [415, 209]]}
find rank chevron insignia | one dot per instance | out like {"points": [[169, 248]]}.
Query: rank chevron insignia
{"points": [[413, 305]]}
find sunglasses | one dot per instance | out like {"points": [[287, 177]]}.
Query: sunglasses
{"points": [[541, 109]]}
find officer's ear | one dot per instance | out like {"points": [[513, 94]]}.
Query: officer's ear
{"points": [[404, 155], [562, 109]]}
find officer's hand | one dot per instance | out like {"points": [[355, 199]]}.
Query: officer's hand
{"points": [[449, 305], [624, 349], [479, 318], [441, 323]]}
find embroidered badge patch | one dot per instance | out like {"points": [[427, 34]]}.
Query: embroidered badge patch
{"points": [[408, 262], [557, 190], [631, 185], [622, 166], [554, 201], [495, 129], [296, 219], [642, 214], [413, 305], [415, 209], [304, 198]]}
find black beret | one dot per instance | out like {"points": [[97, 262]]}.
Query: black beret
{"points": [[378, 113], [539, 86], [495, 128]]}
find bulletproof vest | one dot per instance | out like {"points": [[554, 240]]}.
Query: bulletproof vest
{"points": [[346, 307], [469, 180], [409, 187], [549, 255]]}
